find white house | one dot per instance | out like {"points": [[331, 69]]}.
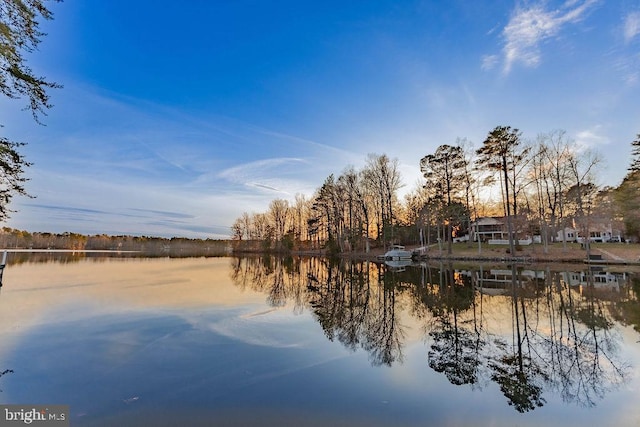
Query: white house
{"points": [[570, 233], [488, 228], [598, 232]]}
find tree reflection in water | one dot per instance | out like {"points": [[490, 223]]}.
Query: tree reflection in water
{"points": [[354, 302], [456, 349], [528, 331], [514, 369]]}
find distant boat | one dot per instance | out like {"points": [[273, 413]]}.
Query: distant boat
{"points": [[397, 252]]}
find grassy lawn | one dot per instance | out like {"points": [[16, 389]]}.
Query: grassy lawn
{"points": [[555, 251]]}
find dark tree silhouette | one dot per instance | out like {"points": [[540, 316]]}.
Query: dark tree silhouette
{"points": [[635, 152], [454, 353], [517, 382], [445, 167]]}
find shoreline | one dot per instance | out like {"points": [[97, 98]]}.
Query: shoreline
{"points": [[115, 251], [619, 255], [603, 254]]}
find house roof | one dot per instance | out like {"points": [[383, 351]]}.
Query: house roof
{"points": [[488, 220]]}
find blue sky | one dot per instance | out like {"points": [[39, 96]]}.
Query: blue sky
{"points": [[175, 117]]}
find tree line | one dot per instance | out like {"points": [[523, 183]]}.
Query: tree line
{"points": [[540, 187], [176, 246]]}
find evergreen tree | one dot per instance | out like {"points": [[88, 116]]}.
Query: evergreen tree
{"points": [[627, 195], [635, 152]]}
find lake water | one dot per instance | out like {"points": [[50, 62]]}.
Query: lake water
{"points": [[267, 341]]}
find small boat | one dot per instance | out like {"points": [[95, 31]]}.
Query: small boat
{"points": [[397, 252]]}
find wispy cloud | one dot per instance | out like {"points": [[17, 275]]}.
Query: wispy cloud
{"points": [[624, 56], [631, 27], [169, 214], [68, 209], [266, 174], [260, 166], [489, 62], [298, 140], [266, 187], [628, 66], [531, 26], [591, 138]]}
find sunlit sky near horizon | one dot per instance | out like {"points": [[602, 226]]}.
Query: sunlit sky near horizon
{"points": [[176, 117]]}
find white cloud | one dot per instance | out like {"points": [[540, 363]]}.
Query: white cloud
{"points": [[529, 27], [591, 138], [625, 57], [631, 26]]}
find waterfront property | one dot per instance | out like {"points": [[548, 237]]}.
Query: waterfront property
{"points": [[495, 229]]}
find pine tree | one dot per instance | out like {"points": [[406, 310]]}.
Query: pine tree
{"points": [[635, 152], [445, 169], [501, 152]]}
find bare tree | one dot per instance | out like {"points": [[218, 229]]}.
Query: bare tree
{"points": [[383, 178], [356, 206], [300, 214], [279, 215], [558, 151], [582, 168]]}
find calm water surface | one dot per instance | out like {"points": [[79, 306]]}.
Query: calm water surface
{"points": [[266, 341]]}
